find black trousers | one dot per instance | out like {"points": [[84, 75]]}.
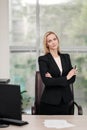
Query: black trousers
{"points": [[49, 109]]}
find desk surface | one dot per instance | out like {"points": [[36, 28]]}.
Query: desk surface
{"points": [[36, 122]]}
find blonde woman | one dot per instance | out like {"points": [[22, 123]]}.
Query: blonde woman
{"points": [[57, 74]]}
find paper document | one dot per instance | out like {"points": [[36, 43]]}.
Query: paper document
{"points": [[57, 123]]}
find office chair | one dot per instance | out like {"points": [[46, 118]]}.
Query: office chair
{"points": [[39, 87]]}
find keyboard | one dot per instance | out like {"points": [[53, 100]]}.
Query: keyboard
{"points": [[13, 121]]}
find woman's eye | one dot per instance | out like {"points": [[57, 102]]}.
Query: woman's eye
{"points": [[54, 39], [49, 41]]}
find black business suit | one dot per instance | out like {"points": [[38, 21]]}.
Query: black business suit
{"points": [[57, 88]]}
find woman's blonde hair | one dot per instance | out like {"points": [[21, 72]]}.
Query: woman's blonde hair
{"points": [[46, 49]]}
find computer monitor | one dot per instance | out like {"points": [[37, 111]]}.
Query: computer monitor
{"points": [[10, 101]]}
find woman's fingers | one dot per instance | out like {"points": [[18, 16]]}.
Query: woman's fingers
{"points": [[48, 75]]}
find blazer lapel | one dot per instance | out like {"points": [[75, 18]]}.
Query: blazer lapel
{"points": [[53, 63]]}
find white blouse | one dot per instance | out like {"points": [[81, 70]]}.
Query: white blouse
{"points": [[58, 62]]}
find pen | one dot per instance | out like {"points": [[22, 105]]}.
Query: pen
{"points": [[75, 67]]}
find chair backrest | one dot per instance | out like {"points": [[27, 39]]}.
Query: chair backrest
{"points": [[39, 87]]}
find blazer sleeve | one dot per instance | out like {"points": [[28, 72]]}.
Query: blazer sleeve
{"points": [[72, 80], [43, 67]]}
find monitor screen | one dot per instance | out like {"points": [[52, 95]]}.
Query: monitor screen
{"points": [[10, 101]]}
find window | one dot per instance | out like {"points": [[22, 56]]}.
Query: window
{"points": [[29, 20]]}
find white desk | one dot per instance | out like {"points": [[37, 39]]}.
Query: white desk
{"points": [[36, 122]]}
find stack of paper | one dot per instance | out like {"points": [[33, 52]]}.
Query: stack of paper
{"points": [[57, 123]]}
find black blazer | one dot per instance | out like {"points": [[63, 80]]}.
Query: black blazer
{"points": [[57, 87]]}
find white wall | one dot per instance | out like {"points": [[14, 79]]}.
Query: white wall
{"points": [[4, 39]]}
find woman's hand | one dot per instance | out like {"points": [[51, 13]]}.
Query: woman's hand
{"points": [[48, 75], [71, 73]]}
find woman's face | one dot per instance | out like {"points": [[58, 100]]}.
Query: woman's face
{"points": [[52, 42]]}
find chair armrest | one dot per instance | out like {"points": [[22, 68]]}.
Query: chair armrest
{"points": [[33, 110], [80, 111]]}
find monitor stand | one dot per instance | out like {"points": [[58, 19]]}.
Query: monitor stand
{"points": [[3, 125]]}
